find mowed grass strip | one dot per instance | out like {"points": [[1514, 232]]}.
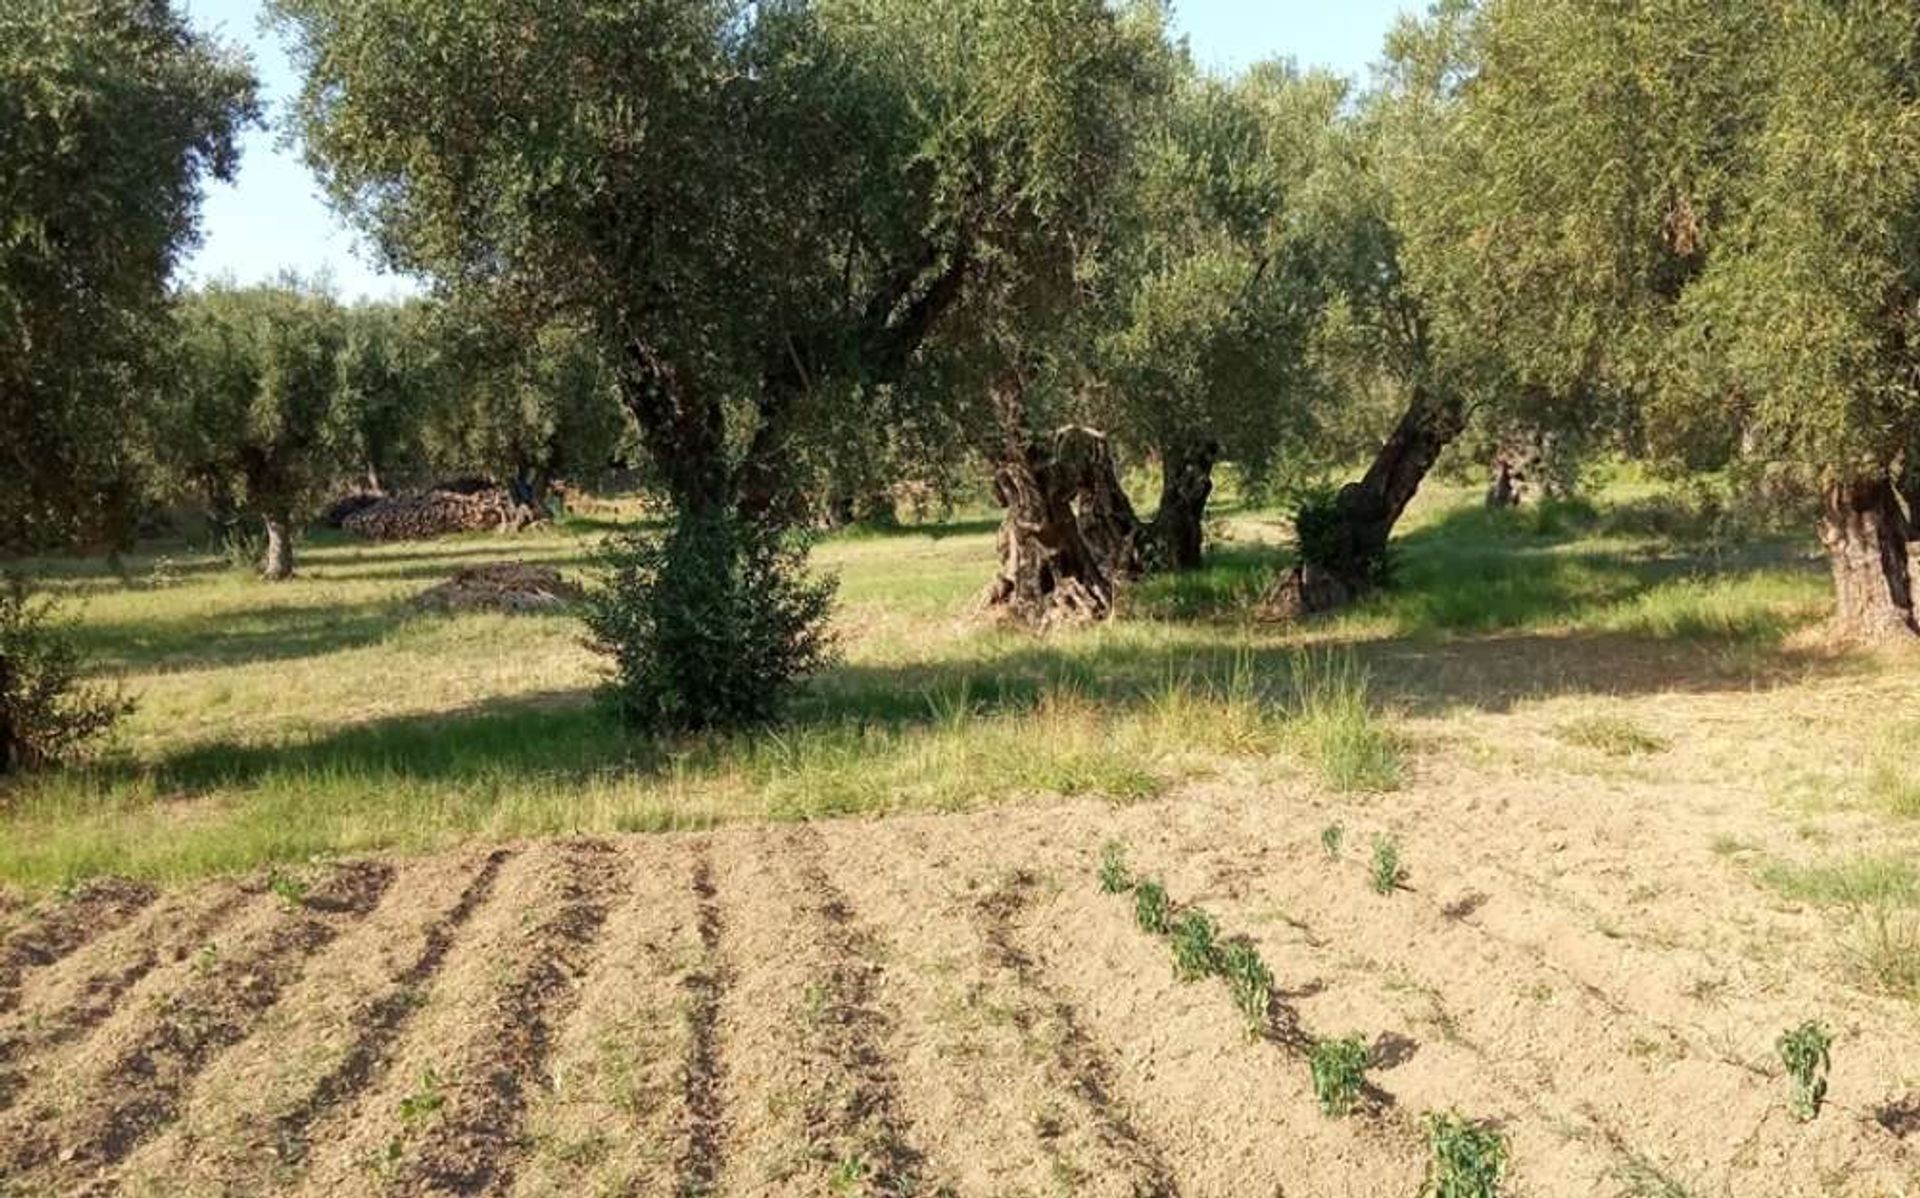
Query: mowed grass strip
{"points": [[327, 716]]}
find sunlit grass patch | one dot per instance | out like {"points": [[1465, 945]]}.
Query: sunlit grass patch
{"points": [[1616, 736], [1336, 724]]}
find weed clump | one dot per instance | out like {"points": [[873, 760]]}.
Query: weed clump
{"points": [[1332, 838], [1195, 953], [1250, 981], [1467, 1159], [1612, 735], [1386, 873], [1151, 908], [1114, 876], [1339, 1069], [1335, 719], [1807, 1052]]}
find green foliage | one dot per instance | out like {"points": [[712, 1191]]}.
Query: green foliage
{"points": [[1250, 981], [426, 1099], [1151, 909], [114, 114], [47, 712], [1332, 838], [1339, 1069], [1333, 715], [711, 625], [1807, 1052], [1115, 878], [1386, 873], [1468, 1160], [1196, 953], [290, 890], [1330, 539]]}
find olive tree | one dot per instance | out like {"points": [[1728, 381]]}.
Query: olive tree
{"points": [[1216, 290], [112, 115], [257, 406], [753, 208]]}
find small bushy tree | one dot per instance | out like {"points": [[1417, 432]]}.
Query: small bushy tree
{"points": [[709, 624], [47, 712]]}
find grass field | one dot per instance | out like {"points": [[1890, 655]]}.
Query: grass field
{"points": [[1646, 818]]}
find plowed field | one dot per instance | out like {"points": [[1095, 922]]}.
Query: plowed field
{"points": [[948, 1005]]}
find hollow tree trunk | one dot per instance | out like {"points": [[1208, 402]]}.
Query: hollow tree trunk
{"points": [[1178, 532], [277, 563], [1069, 536], [1865, 535], [1345, 554]]}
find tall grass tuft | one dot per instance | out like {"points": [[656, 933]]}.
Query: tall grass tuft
{"points": [[1336, 724]]}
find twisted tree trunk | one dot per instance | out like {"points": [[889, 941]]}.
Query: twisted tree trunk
{"points": [[277, 564], [1865, 534], [1343, 549], [1178, 532], [1070, 534]]}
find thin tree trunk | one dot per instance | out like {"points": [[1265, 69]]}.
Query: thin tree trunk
{"points": [[1345, 553], [1178, 532], [1865, 534], [277, 565], [10, 751]]}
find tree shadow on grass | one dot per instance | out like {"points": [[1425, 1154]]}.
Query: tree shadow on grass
{"points": [[276, 632]]}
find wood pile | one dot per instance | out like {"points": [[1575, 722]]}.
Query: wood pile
{"points": [[511, 587], [437, 514]]}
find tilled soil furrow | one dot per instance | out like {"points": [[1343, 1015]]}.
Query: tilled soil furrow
{"points": [[615, 1119], [698, 1167], [812, 1105], [65, 1015], [457, 1126], [856, 1033], [100, 907], [138, 1086], [384, 1020], [469, 1147], [1077, 1064]]}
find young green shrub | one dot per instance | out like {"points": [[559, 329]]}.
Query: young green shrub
{"points": [[712, 625], [1195, 953], [1332, 838], [1386, 873], [1339, 1069], [1807, 1052], [1151, 908], [1250, 981], [1467, 1159], [1114, 876], [47, 714]]}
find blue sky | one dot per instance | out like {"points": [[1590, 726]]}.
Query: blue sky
{"points": [[272, 219]]}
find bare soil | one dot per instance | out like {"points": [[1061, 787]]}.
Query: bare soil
{"points": [[949, 1004]]}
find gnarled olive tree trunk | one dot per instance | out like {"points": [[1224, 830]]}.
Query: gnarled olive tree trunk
{"points": [[11, 751], [1177, 536], [1070, 536], [1865, 534], [1343, 547], [277, 563]]}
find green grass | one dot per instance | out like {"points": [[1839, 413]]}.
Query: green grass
{"points": [[1851, 881], [1615, 736], [326, 716]]}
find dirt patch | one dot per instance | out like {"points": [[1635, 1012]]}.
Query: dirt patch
{"points": [[699, 1164], [508, 587], [100, 907], [135, 1084]]}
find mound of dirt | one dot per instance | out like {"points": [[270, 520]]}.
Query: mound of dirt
{"points": [[511, 587], [439, 513]]}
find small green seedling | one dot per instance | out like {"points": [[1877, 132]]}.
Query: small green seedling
{"points": [[1332, 838], [1468, 1160], [291, 891], [1114, 876], [1195, 954], [1151, 910], [1807, 1052], [425, 1101], [1339, 1073], [1251, 982], [1387, 873]]}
